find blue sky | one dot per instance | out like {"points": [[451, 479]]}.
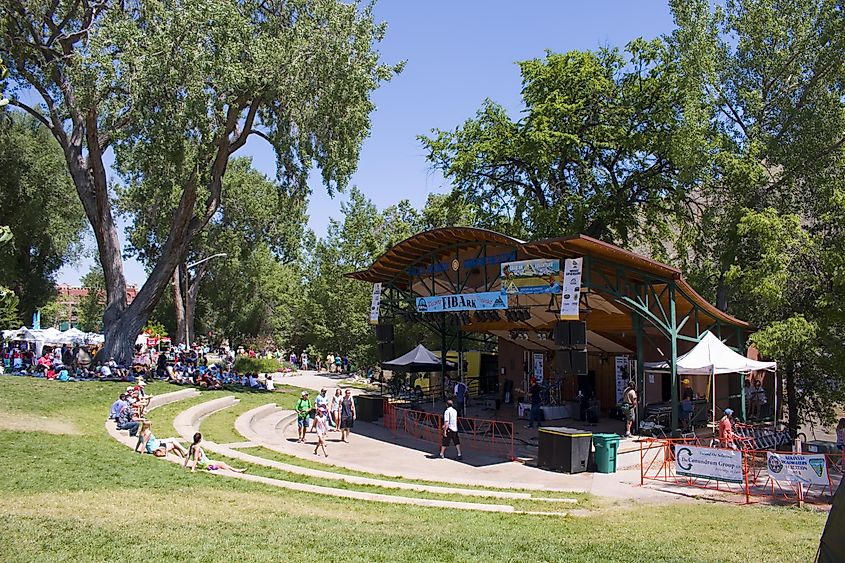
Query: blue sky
{"points": [[458, 53]]}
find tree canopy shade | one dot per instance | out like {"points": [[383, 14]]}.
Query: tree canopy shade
{"points": [[175, 88], [41, 209], [600, 150]]}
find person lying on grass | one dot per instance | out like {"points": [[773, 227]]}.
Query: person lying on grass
{"points": [[153, 445], [196, 457]]}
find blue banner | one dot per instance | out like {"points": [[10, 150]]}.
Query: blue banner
{"points": [[529, 277], [486, 301]]}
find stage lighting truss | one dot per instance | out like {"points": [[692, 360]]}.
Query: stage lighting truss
{"points": [[519, 335], [487, 316], [518, 314]]}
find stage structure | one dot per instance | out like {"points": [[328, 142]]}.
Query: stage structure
{"points": [[475, 285]]}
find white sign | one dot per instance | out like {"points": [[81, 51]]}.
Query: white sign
{"points": [[571, 295], [538, 367], [798, 468], [709, 463], [376, 302], [622, 377]]}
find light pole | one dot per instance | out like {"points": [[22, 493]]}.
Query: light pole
{"points": [[188, 268]]}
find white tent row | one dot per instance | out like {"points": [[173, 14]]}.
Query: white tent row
{"points": [[53, 337], [712, 357]]}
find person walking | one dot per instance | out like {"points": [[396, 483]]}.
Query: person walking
{"points": [[347, 416], [629, 399], [450, 430], [535, 391], [334, 408], [726, 431], [303, 414], [321, 423], [461, 397]]}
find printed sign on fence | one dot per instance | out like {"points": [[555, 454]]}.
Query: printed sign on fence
{"points": [[529, 277], [709, 463], [798, 468], [375, 303], [485, 301], [571, 294], [539, 358]]}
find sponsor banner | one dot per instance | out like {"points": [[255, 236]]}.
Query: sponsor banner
{"points": [[375, 303], [539, 358], [571, 293], [152, 342], [529, 277], [623, 376], [485, 301], [804, 469], [709, 463]]}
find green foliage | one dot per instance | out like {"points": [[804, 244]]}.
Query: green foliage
{"points": [[91, 306], [9, 314], [53, 314], [245, 364], [597, 152], [41, 209], [155, 329]]}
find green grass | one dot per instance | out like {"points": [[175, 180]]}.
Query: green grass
{"points": [[87, 498]]}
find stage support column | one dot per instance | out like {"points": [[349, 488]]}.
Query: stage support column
{"points": [[673, 356], [638, 330], [442, 353]]}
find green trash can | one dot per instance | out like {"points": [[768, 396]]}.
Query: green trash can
{"points": [[607, 446]]}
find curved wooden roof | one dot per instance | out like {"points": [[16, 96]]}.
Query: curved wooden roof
{"points": [[393, 264]]}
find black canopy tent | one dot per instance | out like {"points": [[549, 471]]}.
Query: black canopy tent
{"points": [[832, 545], [417, 360]]}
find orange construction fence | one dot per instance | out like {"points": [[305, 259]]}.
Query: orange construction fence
{"points": [[496, 436], [659, 463]]}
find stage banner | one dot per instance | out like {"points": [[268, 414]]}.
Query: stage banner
{"points": [[485, 301], [571, 295], [375, 303], [623, 376], [804, 469], [529, 277], [539, 359], [709, 463]]}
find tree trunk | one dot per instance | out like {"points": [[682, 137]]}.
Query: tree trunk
{"points": [[792, 399], [179, 306], [722, 293]]}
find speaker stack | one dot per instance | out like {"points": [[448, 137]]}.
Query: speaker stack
{"points": [[571, 341], [384, 337]]}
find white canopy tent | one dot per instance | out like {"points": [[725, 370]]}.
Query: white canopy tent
{"points": [[712, 357]]}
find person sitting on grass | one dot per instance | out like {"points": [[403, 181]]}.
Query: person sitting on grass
{"points": [[126, 420], [117, 406], [151, 444], [196, 457]]}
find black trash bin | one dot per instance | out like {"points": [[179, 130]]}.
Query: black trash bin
{"points": [[369, 408], [564, 449]]}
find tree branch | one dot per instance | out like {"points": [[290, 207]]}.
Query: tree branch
{"points": [[33, 113]]}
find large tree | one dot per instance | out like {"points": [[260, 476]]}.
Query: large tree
{"points": [[256, 213], [176, 87], [41, 209], [599, 149], [768, 241]]}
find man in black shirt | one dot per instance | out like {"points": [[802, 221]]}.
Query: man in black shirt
{"points": [[534, 391]]}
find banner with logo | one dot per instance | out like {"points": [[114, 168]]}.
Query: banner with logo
{"points": [[539, 359], [530, 277], [806, 469], [709, 463], [485, 301], [375, 303], [571, 292]]}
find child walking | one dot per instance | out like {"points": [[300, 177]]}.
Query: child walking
{"points": [[321, 424]]}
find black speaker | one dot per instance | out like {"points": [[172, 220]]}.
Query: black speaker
{"points": [[386, 352], [561, 334], [578, 358], [384, 333], [578, 334], [563, 365]]}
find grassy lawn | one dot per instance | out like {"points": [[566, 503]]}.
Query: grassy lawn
{"points": [[73, 494]]}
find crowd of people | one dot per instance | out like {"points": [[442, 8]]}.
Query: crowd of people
{"points": [[324, 415]]}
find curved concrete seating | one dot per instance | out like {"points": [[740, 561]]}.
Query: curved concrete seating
{"points": [[187, 422], [247, 426]]}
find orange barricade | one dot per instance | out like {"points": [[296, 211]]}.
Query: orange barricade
{"points": [[477, 433], [658, 463]]}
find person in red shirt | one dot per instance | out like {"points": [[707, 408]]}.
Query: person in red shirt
{"points": [[726, 430]]}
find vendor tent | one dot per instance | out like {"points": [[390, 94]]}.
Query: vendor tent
{"points": [[712, 357], [418, 359]]}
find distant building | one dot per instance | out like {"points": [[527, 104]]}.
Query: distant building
{"points": [[69, 297]]}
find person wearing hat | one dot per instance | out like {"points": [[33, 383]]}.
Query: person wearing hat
{"points": [[726, 430], [303, 415]]}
